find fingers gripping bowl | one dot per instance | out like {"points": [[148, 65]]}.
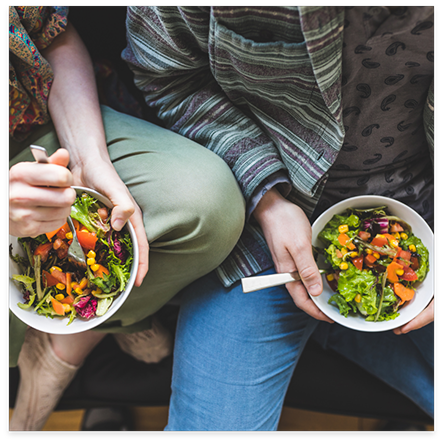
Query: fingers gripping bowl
{"points": [[423, 290], [104, 304]]}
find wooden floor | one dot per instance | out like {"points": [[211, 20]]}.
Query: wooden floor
{"points": [[155, 419]]}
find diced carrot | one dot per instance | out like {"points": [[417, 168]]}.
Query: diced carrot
{"points": [[58, 307], [391, 269], [100, 271], [403, 292], [68, 283], [76, 224], [344, 240], [51, 234], [82, 285]]}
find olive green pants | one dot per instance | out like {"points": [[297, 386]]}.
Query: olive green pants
{"points": [[193, 212]]}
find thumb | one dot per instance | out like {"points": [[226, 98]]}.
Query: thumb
{"points": [[309, 274], [60, 157], [121, 212]]}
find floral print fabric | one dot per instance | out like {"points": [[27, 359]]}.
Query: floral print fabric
{"points": [[31, 29]]}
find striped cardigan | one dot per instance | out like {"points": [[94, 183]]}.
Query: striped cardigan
{"points": [[259, 86]]}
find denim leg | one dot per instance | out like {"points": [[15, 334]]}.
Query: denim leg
{"points": [[234, 356], [405, 362]]}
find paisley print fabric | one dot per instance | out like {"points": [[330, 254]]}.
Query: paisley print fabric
{"points": [[388, 68], [31, 29]]}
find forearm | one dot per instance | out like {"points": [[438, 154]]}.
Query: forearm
{"points": [[73, 100]]}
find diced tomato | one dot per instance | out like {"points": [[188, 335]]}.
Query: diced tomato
{"points": [[379, 241], [60, 276], [365, 236], [358, 262], [43, 250], [409, 274], [369, 260], [62, 251], [48, 279], [396, 227], [57, 243], [401, 253], [69, 300], [415, 263], [61, 233], [87, 239]]}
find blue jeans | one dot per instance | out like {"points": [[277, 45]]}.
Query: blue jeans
{"points": [[235, 354]]}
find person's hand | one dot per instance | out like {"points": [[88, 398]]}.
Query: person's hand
{"points": [[422, 319], [102, 177], [40, 196], [288, 234]]}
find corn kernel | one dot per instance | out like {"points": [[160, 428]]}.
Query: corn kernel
{"points": [[397, 235], [95, 267], [357, 298], [91, 254], [399, 271], [96, 291], [66, 307], [394, 243], [376, 255], [412, 248], [368, 251], [74, 283], [344, 266], [78, 291], [330, 277], [404, 236], [344, 251], [69, 235], [59, 297], [60, 286], [343, 229], [55, 268], [85, 230], [90, 261], [354, 254]]}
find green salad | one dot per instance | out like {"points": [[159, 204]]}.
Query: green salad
{"points": [[55, 287], [375, 262]]}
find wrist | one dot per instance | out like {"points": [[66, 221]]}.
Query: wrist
{"points": [[267, 204]]}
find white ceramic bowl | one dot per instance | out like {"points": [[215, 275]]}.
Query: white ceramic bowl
{"points": [[58, 325], [424, 290]]}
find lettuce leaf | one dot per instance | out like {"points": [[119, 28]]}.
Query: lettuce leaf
{"points": [[423, 253], [330, 232]]}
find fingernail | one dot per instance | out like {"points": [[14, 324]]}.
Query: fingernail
{"points": [[314, 289], [118, 224]]}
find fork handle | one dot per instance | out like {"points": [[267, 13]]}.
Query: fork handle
{"points": [[39, 153], [250, 284]]}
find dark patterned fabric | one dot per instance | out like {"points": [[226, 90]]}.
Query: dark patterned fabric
{"points": [[388, 67]]}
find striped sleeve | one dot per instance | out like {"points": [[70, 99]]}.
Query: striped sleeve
{"points": [[168, 53]]}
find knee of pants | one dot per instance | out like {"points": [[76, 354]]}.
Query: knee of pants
{"points": [[204, 217]]}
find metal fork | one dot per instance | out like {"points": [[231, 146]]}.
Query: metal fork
{"points": [[75, 251]]}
